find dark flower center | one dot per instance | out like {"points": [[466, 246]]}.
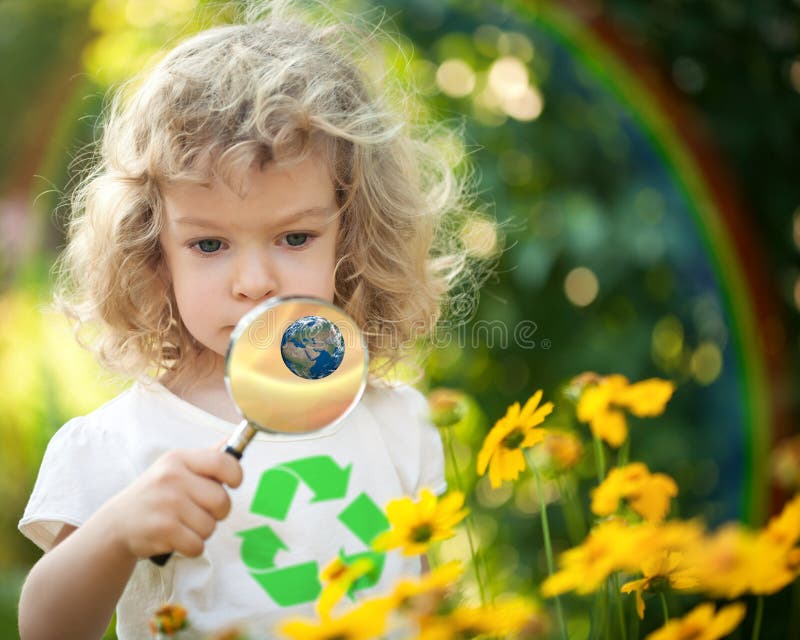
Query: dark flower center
{"points": [[421, 533], [513, 439], [657, 584]]}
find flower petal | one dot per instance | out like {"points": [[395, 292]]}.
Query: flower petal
{"points": [[647, 398], [610, 426]]}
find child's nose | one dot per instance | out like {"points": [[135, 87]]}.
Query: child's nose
{"points": [[255, 276]]}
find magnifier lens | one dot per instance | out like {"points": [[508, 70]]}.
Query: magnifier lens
{"points": [[296, 366]]}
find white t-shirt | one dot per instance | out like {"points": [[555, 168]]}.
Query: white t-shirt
{"points": [[302, 502]]}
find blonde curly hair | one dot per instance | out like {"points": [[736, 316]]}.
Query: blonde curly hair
{"points": [[271, 90]]}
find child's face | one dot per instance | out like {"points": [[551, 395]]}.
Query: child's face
{"points": [[225, 254]]}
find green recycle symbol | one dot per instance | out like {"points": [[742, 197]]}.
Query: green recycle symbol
{"points": [[273, 498]]}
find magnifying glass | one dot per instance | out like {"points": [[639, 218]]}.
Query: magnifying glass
{"points": [[295, 366]]}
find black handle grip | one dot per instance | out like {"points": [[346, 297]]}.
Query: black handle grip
{"points": [[236, 454]]}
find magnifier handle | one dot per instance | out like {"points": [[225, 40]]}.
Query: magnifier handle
{"points": [[240, 439], [235, 447]]}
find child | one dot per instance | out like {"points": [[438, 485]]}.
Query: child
{"points": [[254, 160]]}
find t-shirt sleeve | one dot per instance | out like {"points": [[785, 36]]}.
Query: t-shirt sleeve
{"points": [[83, 466], [430, 452]]}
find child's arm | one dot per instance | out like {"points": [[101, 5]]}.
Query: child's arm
{"points": [[72, 590]]}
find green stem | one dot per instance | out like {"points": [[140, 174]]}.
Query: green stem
{"points": [[759, 615], [794, 620], [603, 617], [548, 549], [624, 453], [634, 629], [664, 607], [620, 611], [573, 514], [594, 629], [600, 460], [460, 486]]}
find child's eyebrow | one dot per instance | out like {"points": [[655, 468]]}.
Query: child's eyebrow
{"points": [[292, 218]]}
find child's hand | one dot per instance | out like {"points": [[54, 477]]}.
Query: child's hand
{"points": [[175, 504]]}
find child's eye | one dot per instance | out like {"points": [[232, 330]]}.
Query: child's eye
{"points": [[296, 239], [208, 245]]}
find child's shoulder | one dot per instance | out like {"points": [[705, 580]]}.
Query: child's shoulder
{"points": [[112, 420], [120, 405]]}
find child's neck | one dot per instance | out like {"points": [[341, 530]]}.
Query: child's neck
{"points": [[205, 388]]}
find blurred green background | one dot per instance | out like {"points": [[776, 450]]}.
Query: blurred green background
{"points": [[642, 160]]}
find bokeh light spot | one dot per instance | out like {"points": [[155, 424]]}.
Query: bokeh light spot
{"points": [[479, 237], [667, 342], [455, 78], [526, 106], [581, 286], [508, 77], [486, 37], [689, 75], [515, 44], [706, 363], [492, 498]]}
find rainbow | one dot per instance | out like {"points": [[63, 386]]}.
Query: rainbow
{"points": [[746, 290]]}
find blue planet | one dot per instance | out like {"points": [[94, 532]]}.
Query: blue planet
{"points": [[312, 347]]}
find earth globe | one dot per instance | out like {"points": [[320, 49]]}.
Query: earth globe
{"points": [[312, 347]]}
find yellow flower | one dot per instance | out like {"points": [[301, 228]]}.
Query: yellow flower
{"points": [[702, 624], [602, 404], [415, 525], [502, 448], [784, 529], [646, 399], [610, 546], [501, 619], [647, 494], [423, 595], [734, 561], [614, 545], [338, 577], [447, 407], [722, 561], [662, 571], [672, 535], [368, 620], [168, 619], [563, 448]]}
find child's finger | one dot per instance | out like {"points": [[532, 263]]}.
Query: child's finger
{"points": [[187, 542], [217, 465], [210, 496], [197, 519]]}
